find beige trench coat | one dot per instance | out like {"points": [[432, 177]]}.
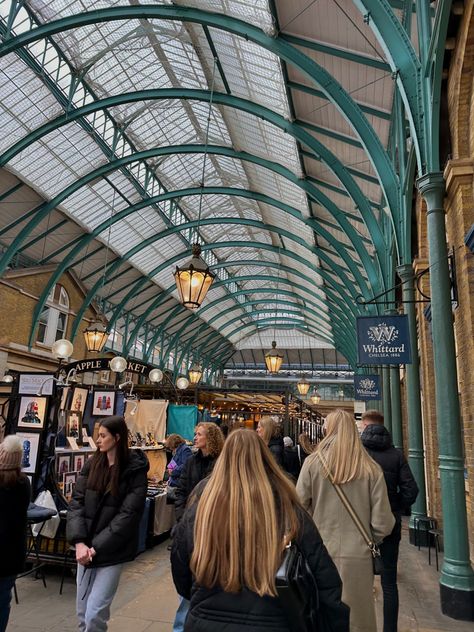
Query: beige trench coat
{"points": [[340, 535]]}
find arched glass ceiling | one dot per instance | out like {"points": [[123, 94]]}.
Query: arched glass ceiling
{"points": [[297, 176]]}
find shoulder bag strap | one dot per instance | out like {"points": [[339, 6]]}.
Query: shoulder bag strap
{"points": [[345, 501]]}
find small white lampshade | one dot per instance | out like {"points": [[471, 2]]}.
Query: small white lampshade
{"points": [[182, 383], [155, 376], [62, 349], [118, 364], [8, 379]]}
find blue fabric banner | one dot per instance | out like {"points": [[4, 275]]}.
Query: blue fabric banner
{"points": [[366, 387], [182, 420], [383, 340]]}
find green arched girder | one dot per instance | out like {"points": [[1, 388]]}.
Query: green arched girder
{"points": [[68, 260], [293, 56], [291, 128]]}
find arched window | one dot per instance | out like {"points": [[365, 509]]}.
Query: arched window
{"points": [[53, 319]]}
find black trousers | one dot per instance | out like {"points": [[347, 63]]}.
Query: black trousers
{"points": [[389, 553]]}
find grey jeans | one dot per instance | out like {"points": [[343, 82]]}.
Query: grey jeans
{"points": [[96, 588]]}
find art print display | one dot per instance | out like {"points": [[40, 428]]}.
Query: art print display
{"points": [[31, 443], [32, 412], [64, 464], [74, 425], [78, 461], [104, 403], [79, 400], [64, 397]]}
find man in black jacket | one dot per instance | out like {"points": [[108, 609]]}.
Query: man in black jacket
{"points": [[402, 492]]}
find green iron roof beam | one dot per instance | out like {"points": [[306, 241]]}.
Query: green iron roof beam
{"points": [[43, 235], [216, 57], [341, 191], [6, 194], [59, 251], [355, 172], [342, 53], [307, 138], [324, 131], [276, 45], [404, 63], [368, 109]]}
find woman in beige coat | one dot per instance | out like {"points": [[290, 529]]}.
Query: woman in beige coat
{"points": [[363, 483]]}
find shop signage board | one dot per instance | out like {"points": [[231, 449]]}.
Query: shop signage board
{"points": [[366, 387], [32, 383], [383, 340], [102, 364]]}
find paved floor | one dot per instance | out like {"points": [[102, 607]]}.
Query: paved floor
{"points": [[146, 600]]}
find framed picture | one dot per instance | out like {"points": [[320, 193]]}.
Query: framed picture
{"points": [[31, 442], [104, 377], [74, 425], [79, 400], [64, 465], [32, 412], [104, 403], [64, 397], [70, 478], [32, 383], [78, 461]]}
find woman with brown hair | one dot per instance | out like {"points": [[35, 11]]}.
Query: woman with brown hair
{"points": [[14, 500], [304, 448], [103, 520], [269, 431], [230, 544], [342, 455], [180, 454]]}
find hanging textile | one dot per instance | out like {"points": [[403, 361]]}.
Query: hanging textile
{"points": [[149, 417], [182, 420]]}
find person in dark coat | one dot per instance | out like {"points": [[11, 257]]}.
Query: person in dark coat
{"points": [[103, 520], [402, 492], [291, 462], [231, 540], [14, 500], [208, 440], [269, 431]]}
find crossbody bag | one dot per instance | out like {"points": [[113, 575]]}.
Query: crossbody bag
{"points": [[373, 547]]}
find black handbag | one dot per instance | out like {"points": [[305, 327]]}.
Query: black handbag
{"points": [[170, 495], [297, 590]]}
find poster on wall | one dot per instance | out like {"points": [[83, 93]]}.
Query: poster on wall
{"points": [[33, 383], [74, 426], [30, 441], [79, 400], [32, 412], [383, 340], [104, 403]]}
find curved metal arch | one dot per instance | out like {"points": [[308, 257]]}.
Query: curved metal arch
{"points": [[291, 128], [67, 261], [295, 57], [403, 61]]}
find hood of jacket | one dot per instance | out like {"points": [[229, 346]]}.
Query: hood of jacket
{"points": [[376, 437], [137, 461]]}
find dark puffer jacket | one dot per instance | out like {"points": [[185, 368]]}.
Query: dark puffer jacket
{"points": [[196, 468], [14, 503], [213, 610], [109, 523], [277, 447], [401, 486]]}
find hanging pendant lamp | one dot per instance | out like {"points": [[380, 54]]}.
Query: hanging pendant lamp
{"points": [[303, 386], [193, 280], [194, 374], [95, 336], [316, 398], [273, 359]]}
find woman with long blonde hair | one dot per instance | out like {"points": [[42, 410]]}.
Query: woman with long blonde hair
{"points": [[230, 543], [342, 455]]}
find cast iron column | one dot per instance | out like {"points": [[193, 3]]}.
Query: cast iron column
{"points": [[457, 576], [416, 455], [396, 407], [386, 399]]}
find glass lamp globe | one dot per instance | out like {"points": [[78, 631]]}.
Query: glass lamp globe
{"points": [[155, 376], [182, 383], [118, 364], [7, 379], [62, 349]]}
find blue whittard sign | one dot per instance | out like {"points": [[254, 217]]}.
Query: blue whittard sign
{"points": [[383, 340], [366, 387]]}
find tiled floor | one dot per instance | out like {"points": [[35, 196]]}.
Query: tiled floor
{"points": [[146, 600]]}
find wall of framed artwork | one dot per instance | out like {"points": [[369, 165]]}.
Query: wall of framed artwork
{"points": [[31, 443], [78, 461], [74, 425], [103, 403], [32, 412], [79, 400]]}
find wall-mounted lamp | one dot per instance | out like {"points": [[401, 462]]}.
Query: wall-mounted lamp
{"points": [[155, 376], [7, 379], [182, 383]]}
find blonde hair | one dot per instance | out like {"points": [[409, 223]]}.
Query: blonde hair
{"points": [[342, 450], [246, 510], [214, 438], [305, 443], [269, 428]]}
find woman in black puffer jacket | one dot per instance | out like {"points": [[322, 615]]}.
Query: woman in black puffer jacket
{"points": [[103, 520], [230, 543], [270, 432]]}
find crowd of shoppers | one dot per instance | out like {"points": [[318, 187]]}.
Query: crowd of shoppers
{"points": [[237, 511]]}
